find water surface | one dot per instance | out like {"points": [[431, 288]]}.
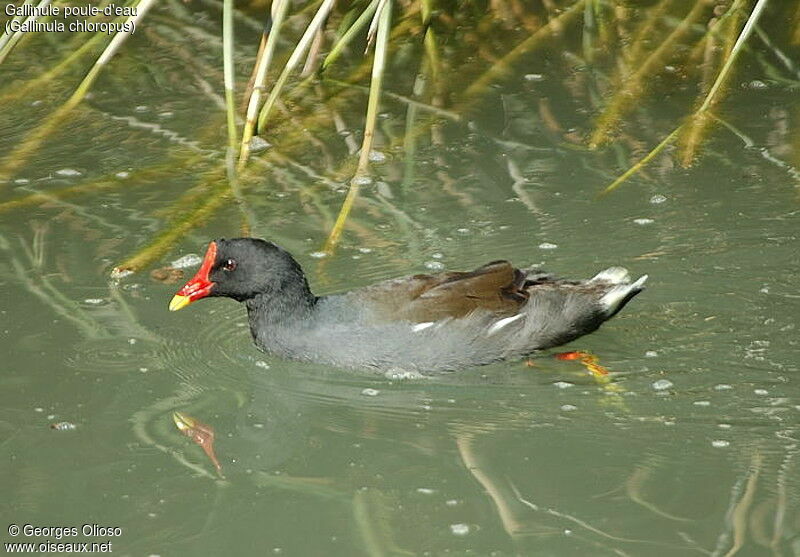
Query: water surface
{"points": [[689, 447]]}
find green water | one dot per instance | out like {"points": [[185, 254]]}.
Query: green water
{"points": [[690, 447]]}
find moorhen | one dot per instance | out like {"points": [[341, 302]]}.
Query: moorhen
{"points": [[421, 323]]}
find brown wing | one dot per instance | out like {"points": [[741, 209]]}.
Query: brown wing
{"points": [[495, 287]]}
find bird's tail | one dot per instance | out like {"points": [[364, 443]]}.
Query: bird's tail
{"points": [[621, 290]]}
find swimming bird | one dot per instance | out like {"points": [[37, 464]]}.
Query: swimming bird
{"points": [[421, 323]]}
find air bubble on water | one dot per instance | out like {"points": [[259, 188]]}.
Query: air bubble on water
{"points": [[462, 230], [318, 254], [94, 301], [361, 181], [568, 407], [452, 502], [365, 250], [533, 77], [662, 384], [643, 221], [757, 84], [761, 392], [547, 245], [403, 374], [370, 392], [437, 255], [22, 181], [434, 265], [459, 529], [425, 490], [262, 364], [723, 387], [651, 354], [118, 273], [702, 403], [122, 174], [141, 108], [188, 260], [657, 199], [68, 172], [720, 443], [724, 426], [377, 156], [258, 144], [563, 384]]}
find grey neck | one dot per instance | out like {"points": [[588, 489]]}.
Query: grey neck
{"points": [[288, 306]]}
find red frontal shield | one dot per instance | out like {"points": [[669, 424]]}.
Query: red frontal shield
{"points": [[199, 286]]}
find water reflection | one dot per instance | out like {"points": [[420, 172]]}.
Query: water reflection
{"points": [[575, 475], [689, 447], [510, 458]]}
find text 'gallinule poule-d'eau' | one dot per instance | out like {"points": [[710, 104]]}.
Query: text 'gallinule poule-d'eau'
{"points": [[421, 323]]}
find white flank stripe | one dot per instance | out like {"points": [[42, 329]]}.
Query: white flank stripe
{"points": [[502, 323]]}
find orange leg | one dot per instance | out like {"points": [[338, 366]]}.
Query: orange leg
{"points": [[589, 361]]}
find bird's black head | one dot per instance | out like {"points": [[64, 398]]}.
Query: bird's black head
{"points": [[242, 269]]}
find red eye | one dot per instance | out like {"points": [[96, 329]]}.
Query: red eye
{"points": [[229, 265]]}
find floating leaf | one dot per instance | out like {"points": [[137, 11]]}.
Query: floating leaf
{"points": [[167, 275]]}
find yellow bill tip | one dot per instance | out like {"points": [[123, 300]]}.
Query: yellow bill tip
{"points": [[182, 421], [179, 302]]}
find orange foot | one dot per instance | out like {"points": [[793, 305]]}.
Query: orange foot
{"points": [[589, 361]]}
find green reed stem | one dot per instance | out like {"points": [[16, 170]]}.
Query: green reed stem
{"points": [[230, 79], [20, 155], [279, 9], [376, 85], [298, 53], [350, 34], [702, 111], [10, 39]]}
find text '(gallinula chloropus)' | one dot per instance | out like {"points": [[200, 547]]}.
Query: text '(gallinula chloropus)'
{"points": [[422, 323]]}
